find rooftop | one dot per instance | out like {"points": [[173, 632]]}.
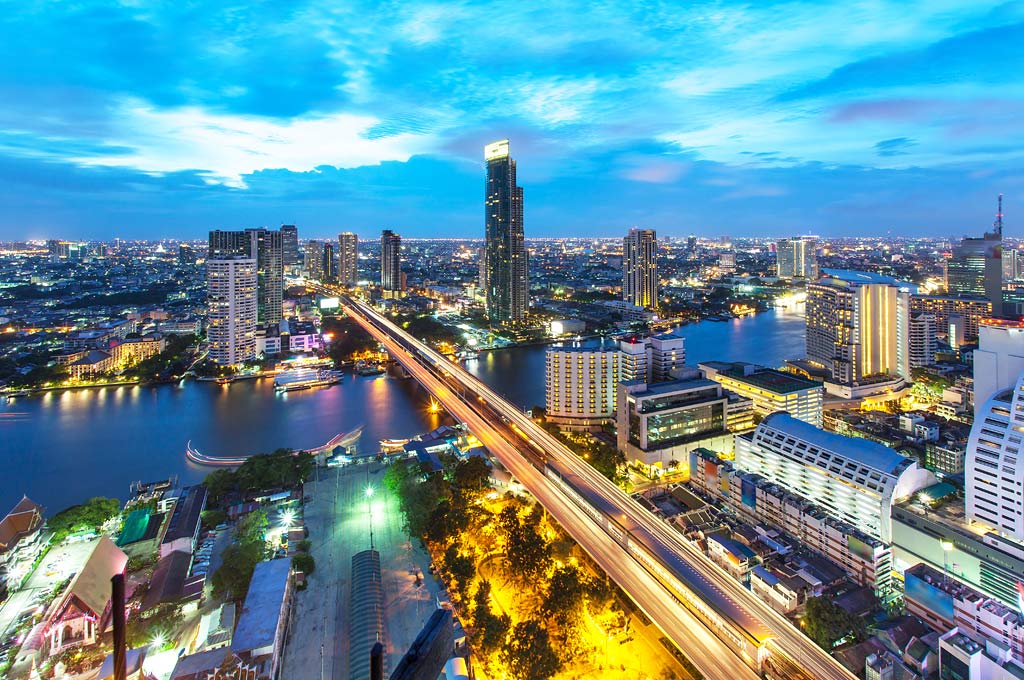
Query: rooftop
{"points": [[257, 625], [864, 451], [763, 378]]}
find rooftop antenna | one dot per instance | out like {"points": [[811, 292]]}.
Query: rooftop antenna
{"points": [[998, 224]]}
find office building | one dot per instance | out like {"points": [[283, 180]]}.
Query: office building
{"points": [[658, 425], [290, 246], [231, 309], [330, 264], [186, 254], [855, 480], [994, 474], [976, 268], [759, 501], [348, 258], [947, 309], [508, 286], [580, 386], [797, 258], [998, 360], [769, 389], [852, 327], [640, 268], [667, 353], [267, 249], [961, 658], [391, 281], [727, 262], [916, 337], [313, 260]]}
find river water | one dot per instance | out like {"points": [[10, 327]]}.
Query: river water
{"points": [[63, 447]]}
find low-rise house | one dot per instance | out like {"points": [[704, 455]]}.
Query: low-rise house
{"points": [[263, 624]]}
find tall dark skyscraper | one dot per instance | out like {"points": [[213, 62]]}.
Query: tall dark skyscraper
{"points": [[391, 263], [330, 267], [507, 281], [290, 244], [348, 258], [640, 268], [976, 268], [266, 247]]}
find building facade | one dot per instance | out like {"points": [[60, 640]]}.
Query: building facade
{"points": [[580, 386], [266, 248], [290, 246], [391, 263], [797, 258], [769, 389], [507, 275], [330, 264], [231, 309], [348, 258], [998, 360], [976, 269], [313, 260], [855, 480], [971, 310], [640, 268]]}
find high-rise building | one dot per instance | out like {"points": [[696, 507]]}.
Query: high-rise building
{"points": [[186, 254], [330, 265], [727, 262], [691, 245], [290, 246], [508, 286], [267, 248], [998, 360], [797, 258], [231, 303], [314, 260], [976, 267], [970, 310], [580, 386], [640, 268], [854, 480], [994, 470], [667, 353], [391, 262], [348, 258], [852, 327]]}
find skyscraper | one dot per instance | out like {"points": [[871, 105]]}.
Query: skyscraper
{"points": [[976, 268], [314, 260], [330, 266], [390, 263], [797, 258], [348, 258], [264, 246], [231, 309], [640, 268], [507, 269], [290, 245]]}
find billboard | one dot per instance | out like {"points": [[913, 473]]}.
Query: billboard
{"points": [[859, 547], [749, 492], [330, 303], [930, 597]]}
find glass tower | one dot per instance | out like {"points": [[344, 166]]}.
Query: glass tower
{"points": [[506, 256]]}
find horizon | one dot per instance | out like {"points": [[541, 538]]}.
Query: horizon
{"points": [[718, 119]]}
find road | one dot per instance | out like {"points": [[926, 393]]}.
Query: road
{"points": [[785, 640]]}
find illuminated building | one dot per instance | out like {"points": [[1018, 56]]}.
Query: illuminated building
{"points": [[290, 246], [727, 262], [266, 247], [770, 390], [976, 269], [946, 308], [507, 268], [854, 480], [640, 268], [330, 265], [580, 386], [391, 263], [797, 258], [998, 360], [852, 327], [348, 258], [314, 260], [231, 309]]}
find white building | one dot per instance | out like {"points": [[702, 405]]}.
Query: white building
{"points": [[667, 354], [994, 469], [999, 359], [770, 390], [854, 480], [580, 386], [231, 309], [962, 657]]}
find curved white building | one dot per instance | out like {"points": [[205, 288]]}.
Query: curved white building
{"points": [[994, 468]]}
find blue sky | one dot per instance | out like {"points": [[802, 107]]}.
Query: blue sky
{"points": [[149, 119]]}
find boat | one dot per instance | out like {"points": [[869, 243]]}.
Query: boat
{"points": [[305, 378], [18, 393], [366, 368]]}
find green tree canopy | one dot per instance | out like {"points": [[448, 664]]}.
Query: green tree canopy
{"points": [[529, 654], [89, 515]]}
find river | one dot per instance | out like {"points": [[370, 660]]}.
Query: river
{"points": [[63, 447]]}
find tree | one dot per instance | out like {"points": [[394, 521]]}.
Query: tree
{"points": [[529, 654], [491, 628], [826, 623], [304, 562], [527, 552], [471, 475], [565, 596], [89, 515], [460, 567], [231, 581]]}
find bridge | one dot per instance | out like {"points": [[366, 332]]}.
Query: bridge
{"points": [[342, 439], [727, 632]]}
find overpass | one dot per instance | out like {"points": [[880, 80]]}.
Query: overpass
{"points": [[726, 631]]}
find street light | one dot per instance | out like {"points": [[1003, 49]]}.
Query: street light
{"points": [[369, 492], [287, 518]]}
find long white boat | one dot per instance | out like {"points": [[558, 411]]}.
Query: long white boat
{"points": [[306, 378]]}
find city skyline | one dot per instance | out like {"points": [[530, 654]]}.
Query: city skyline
{"points": [[725, 119]]}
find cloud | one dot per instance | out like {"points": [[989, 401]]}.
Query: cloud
{"points": [[897, 146]]}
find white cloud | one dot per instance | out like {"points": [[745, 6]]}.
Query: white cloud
{"points": [[226, 147]]}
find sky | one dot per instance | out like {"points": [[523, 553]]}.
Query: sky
{"points": [[167, 119]]}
